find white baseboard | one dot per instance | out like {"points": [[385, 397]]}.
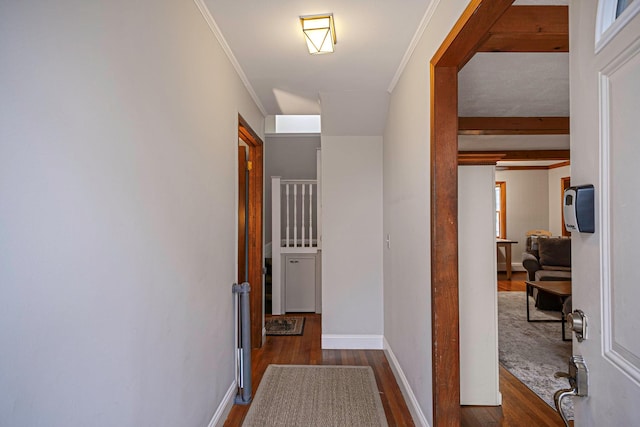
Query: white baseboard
{"points": [[517, 266], [352, 342], [405, 388], [220, 416]]}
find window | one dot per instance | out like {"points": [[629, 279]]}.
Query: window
{"points": [[297, 124], [621, 6], [501, 209], [613, 15]]}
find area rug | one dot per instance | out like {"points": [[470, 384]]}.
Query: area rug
{"points": [[284, 325], [317, 396], [532, 352]]}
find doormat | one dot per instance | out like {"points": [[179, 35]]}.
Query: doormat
{"points": [[284, 325], [317, 396]]}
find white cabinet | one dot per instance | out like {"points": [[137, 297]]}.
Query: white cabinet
{"points": [[300, 283]]}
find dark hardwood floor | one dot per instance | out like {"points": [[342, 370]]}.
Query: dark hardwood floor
{"points": [[515, 284], [520, 406], [305, 350]]}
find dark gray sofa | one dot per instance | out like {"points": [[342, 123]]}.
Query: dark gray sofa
{"points": [[548, 259]]}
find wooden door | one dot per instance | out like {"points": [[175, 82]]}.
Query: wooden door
{"points": [[253, 240], [242, 214]]}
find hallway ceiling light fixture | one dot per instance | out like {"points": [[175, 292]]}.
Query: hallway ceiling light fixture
{"points": [[319, 33]]}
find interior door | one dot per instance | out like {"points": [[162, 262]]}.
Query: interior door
{"points": [[605, 151], [242, 214]]}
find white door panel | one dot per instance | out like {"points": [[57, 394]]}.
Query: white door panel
{"points": [[300, 283], [605, 151], [620, 100]]}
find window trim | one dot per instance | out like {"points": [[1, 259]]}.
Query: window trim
{"points": [[503, 210]]}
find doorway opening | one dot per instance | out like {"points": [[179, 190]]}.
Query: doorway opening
{"points": [[474, 32]]}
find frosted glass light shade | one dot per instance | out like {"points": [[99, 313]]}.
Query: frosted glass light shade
{"points": [[319, 33]]}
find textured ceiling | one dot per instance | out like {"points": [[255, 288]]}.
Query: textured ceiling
{"points": [[515, 84]]}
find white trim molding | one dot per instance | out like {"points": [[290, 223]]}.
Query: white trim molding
{"points": [[405, 388], [351, 342], [206, 14], [607, 25], [220, 416], [431, 9], [515, 266], [613, 350]]}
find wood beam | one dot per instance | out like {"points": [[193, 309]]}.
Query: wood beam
{"points": [[534, 168], [513, 125], [458, 47], [465, 159], [530, 29], [559, 165], [444, 248], [469, 33], [524, 154]]}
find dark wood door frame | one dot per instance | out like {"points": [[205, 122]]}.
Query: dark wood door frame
{"points": [[464, 40], [254, 229]]}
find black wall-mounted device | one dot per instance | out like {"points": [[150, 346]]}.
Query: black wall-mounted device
{"points": [[578, 208]]}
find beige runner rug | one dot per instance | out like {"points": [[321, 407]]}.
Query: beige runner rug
{"points": [[317, 396]]}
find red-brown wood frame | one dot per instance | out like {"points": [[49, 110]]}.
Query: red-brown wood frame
{"points": [[254, 231], [565, 182], [471, 30], [503, 209]]}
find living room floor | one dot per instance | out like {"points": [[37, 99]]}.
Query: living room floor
{"points": [[520, 406], [515, 284]]}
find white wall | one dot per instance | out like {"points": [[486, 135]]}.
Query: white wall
{"points": [[352, 242], [555, 198], [118, 123], [477, 286], [527, 207], [289, 157], [407, 274]]}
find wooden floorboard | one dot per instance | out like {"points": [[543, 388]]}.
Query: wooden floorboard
{"points": [[515, 284], [520, 406], [306, 350]]}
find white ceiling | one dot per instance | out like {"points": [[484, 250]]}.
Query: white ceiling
{"points": [[266, 40]]}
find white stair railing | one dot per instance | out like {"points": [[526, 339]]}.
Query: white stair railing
{"points": [[295, 198], [293, 208]]}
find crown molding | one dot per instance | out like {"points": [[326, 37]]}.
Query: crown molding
{"points": [[431, 9], [206, 14]]}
